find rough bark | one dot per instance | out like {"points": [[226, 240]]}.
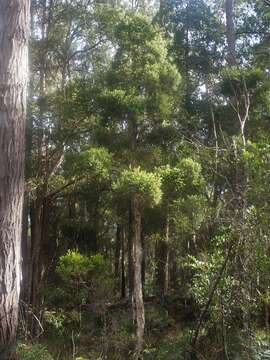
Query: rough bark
{"points": [[138, 305], [14, 24]]}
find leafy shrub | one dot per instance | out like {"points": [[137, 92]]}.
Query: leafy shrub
{"points": [[75, 265], [33, 352], [83, 279]]}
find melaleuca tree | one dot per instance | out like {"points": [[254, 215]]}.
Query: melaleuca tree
{"points": [[140, 189], [136, 97]]}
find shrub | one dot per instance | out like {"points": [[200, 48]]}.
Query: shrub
{"points": [[33, 352]]}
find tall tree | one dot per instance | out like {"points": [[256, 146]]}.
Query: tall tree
{"points": [[14, 21], [230, 32]]}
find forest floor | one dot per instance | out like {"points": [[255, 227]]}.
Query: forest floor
{"points": [[109, 335]]}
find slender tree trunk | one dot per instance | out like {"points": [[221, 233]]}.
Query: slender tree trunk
{"points": [[130, 256], [138, 305], [186, 59], [36, 229], [117, 254], [40, 255], [172, 269], [14, 24], [143, 258], [25, 257], [266, 311], [230, 32], [123, 273], [162, 276]]}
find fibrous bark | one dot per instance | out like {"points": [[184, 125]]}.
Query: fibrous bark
{"points": [[14, 24]]}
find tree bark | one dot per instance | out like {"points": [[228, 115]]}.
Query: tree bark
{"points": [[143, 258], [230, 33], [123, 276], [137, 305], [130, 256], [117, 255], [14, 25]]}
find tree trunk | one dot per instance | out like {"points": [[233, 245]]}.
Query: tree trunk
{"points": [[14, 24], [25, 253], [230, 32], [40, 254], [266, 311], [162, 276], [137, 305], [143, 258], [117, 255], [130, 256], [123, 276]]}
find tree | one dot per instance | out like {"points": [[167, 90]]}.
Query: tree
{"points": [[14, 20], [141, 189], [230, 32]]}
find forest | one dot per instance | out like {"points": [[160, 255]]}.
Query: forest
{"points": [[134, 158]]}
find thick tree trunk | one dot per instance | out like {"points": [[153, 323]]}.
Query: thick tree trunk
{"points": [[230, 32], [14, 23], [138, 305]]}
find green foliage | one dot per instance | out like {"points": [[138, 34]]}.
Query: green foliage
{"points": [[138, 181], [171, 346], [189, 213], [93, 163], [142, 83], [238, 81], [206, 268], [33, 352], [182, 180], [56, 320], [74, 264], [83, 278]]}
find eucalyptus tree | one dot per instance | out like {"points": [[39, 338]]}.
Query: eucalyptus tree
{"points": [[14, 33]]}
